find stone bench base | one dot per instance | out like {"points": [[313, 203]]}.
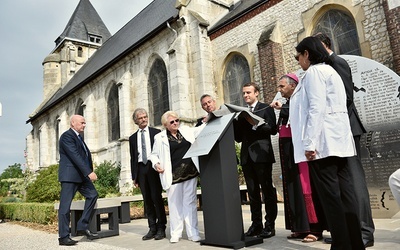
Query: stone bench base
{"points": [[124, 211], [103, 206]]}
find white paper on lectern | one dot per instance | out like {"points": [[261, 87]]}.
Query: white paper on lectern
{"points": [[245, 113], [209, 136]]}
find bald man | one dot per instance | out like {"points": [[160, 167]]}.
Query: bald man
{"points": [[75, 173]]}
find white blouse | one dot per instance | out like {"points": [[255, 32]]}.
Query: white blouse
{"points": [[318, 115]]}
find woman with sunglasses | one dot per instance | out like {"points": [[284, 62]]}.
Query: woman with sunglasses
{"points": [[322, 136], [178, 176]]}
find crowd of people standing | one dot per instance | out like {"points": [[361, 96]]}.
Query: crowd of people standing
{"points": [[324, 185]]}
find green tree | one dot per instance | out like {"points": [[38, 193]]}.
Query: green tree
{"points": [[9, 174], [107, 178], [46, 187], [20, 185]]}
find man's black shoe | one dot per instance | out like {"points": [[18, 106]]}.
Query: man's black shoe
{"points": [[160, 234], [150, 235], [368, 243], [267, 233], [254, 230], [328, 240], [88, 234], [66, 241]]}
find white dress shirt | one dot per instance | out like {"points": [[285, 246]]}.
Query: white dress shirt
{"points": [[139, 143]]}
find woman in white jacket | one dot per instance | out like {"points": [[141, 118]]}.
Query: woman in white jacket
{"points": [[178, 176], [322, 136]]}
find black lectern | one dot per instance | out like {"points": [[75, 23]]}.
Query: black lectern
{"points": [[221, 202]]}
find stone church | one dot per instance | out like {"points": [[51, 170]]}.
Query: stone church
{"points": [[174, 51]]}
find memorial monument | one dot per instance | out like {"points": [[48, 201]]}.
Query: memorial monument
{"points": [[377, 98]]}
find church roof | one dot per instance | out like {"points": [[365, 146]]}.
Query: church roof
{"points": [[236, 11], [84, 21], [149, 22]]}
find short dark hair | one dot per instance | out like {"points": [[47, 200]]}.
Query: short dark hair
{"points": [[255, 85], [324, 38], [204, 96], [316, 51]]}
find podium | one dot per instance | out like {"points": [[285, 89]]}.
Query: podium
{"points": [[221, 201]]}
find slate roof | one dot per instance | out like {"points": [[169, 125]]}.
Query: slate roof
{"points": [[236, 11], [85, 20], [150, 21]]}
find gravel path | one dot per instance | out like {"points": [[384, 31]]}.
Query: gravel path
{"points": [[18, 237]]}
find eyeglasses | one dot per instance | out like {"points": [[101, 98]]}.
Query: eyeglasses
{"points": [[297, 57], [173, 121]]}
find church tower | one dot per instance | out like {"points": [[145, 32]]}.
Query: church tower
{"points": [[84, 33]]}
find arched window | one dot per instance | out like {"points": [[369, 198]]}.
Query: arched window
{"points": [[113, 114], [80, 108], [237, 73], [80, 51], [341, 28], [158, 91]]}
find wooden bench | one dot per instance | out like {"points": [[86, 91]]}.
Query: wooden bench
{"points": [[103, 206]]}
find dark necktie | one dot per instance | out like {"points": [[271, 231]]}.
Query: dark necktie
{"points": [[83, 144], [144, 152]]}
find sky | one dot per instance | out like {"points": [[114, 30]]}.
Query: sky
{"points": [[28, 29]]}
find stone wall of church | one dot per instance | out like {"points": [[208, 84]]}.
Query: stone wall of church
{"points": [[188, 73], [392, 11], [376, 32]]}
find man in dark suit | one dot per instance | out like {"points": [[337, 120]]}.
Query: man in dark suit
{"points": [[256, 158], [145, 177], [356, 169], [209, 105], [75, 174]]}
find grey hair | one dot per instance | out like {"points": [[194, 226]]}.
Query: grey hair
{"points": [[137, 111]]}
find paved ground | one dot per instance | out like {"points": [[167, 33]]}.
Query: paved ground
{"points": [[387, 236]]}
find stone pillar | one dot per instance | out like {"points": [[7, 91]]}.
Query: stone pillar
{"points": [[271, 65], [125, 182], [44, 146]]}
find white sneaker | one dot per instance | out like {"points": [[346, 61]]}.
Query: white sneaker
{"points": [[195, 238], [174, 239]]}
